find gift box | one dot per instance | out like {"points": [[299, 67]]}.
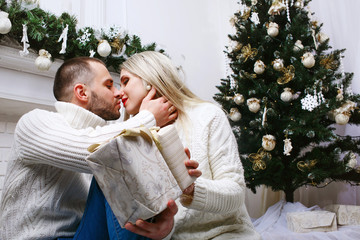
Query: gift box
{"points": [[133, 174], [311, 221], [345, 214]]}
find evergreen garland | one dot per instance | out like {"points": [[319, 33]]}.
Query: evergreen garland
{"points": [[44, 30]]}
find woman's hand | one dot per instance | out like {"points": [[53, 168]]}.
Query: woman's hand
{"points": [[188, 193]]}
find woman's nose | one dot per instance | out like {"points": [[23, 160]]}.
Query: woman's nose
{"points": [[118, 93]]}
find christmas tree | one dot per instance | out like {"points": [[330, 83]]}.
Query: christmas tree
{"points": [[285, 95]]}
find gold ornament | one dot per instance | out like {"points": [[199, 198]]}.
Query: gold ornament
{"points": [[246, 14], [248, 52], [329, 62], [276, 7], [258, 159], [289, 74], [306, 165]]}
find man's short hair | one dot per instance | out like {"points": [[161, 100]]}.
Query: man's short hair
{"points": [[73, 71]]}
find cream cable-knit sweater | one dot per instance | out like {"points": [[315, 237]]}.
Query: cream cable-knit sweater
{"points": [[218, 206], [45, 187]]}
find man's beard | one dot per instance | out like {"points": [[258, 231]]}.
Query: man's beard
{"points": [[102, 108]]}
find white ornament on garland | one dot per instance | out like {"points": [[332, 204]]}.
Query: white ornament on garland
{"points": [[287, 146], [268, 142], [104, 48], [286, 95], [43, 61], [5, 23], [309, 102], [259, 67], [63, 37], [278, 64], [308, 60], [234, 115], [92, 53], [253, 104], [239, 99], [25, 41], [272, 29]]}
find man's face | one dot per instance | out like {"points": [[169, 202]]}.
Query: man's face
{"points": [[104, 98]]}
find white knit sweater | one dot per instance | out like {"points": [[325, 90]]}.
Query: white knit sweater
{"points": [[45, 187], [218, 209]]}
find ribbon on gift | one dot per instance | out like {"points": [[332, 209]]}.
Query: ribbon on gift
{"points": [[149, 134]]}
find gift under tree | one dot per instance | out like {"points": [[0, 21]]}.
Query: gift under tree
{"points": [[286, 92]]}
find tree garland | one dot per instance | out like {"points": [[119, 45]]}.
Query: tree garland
{"points": [[61, 38]]}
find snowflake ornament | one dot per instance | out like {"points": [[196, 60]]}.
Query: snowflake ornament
{"points": [[84, 38], [309, 102]]}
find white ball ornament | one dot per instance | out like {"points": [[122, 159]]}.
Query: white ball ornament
{"points": [[5, 23], [308, 60], [298, 46], [43, 61], [239, 99], [253, 104], [268, 142], [286, 95], [299, 4], [278, 64], [342, 118], [273, 29], [322, 37], [259, 67], [234, 115], [104, 48]]}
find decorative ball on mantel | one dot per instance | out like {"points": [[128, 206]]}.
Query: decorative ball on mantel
{"points": [[43, 61], [5, 23], [104, 48]]}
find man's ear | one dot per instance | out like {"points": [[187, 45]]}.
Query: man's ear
{"points": [[81, 93]]}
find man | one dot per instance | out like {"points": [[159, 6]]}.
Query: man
{"points": [[45, 188]]}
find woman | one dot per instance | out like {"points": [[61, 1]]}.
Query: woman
{"points": [[214, 208]]}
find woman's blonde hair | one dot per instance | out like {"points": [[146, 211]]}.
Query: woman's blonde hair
{"points": [[157, 70]]}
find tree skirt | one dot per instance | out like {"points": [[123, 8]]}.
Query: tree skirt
{"points": [[273, 226]]}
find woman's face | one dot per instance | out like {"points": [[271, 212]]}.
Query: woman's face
{"points": [[132, 90]]}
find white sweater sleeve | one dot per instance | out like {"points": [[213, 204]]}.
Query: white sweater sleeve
{"points": [[43, 137], [225, 191]]}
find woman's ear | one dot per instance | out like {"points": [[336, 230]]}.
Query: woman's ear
{"points": [[81, 93]]}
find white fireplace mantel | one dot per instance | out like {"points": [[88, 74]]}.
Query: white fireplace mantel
{"points": [[22, 86]]}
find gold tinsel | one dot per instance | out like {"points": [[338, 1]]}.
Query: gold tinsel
{"points": [[248, 52], [306, 165], [258, 159], [289, 74], [329, 62], [117, 44]]}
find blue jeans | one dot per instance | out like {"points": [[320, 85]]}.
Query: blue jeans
{"points": [[99, 222]]}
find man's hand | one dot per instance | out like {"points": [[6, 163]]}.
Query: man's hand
{"points": [[160, 228], [163, 111]]}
